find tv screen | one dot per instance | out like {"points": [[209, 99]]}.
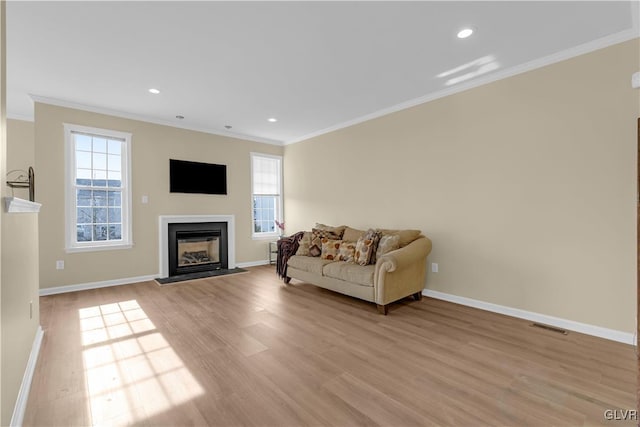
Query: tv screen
{"points": [[196, 177]]}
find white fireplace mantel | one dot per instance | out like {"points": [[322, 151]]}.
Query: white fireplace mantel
{"points": [[16, 205], [165, 220]]}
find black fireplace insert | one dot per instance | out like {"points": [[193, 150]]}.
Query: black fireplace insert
{"points": [[197, 246]]}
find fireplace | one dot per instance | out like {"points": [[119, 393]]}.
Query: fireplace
{"points": [[228, 240], [197, 246]]}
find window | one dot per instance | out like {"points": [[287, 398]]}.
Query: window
{"points": [[266, 184], [98, 189]]}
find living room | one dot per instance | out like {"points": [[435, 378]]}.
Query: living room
{"points": [[526, 186]]}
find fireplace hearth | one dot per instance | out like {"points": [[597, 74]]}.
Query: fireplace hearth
{"points": [[196, 247]]}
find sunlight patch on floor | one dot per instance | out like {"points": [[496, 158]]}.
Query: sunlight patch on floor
{"points": [[131, 371]]}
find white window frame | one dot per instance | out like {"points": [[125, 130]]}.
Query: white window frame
{"points": [[71, 243], [279, 213]]}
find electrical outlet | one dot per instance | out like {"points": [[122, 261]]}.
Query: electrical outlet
{"points": [[434, 267], [59, 265], [145, 199]]}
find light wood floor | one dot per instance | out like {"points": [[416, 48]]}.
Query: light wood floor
{"points": [[248, 350]]}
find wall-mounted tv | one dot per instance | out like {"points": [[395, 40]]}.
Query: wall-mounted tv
{"points": [[196, 177]]}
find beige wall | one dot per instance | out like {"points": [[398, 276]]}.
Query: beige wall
{"points": [[152, 147], [526, 186], [21, 145], [19, 289], [20, 151]]}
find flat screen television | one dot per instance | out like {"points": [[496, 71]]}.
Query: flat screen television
{"points": [[196, 177]]}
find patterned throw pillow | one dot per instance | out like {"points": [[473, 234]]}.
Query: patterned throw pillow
{"points": [[330, 248], [305, 242], [388, 243], [363, 252], [375, 235], [366, 247], [315, 248], [339, 231], [347, 251]]}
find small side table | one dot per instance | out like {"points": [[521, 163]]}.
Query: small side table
{"points": [[273, 252]]}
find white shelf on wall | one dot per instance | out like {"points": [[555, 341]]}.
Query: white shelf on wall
{"points": [[16, 205]]}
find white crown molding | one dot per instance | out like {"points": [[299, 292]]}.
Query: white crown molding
{"points": [[594, 45], [635, 16], [490, 78], [95, 285], [23, 394], [20, 117], [584, 328], [131, 116]]}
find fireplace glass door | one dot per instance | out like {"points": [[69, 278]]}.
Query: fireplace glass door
{"points": [[198, 250]]}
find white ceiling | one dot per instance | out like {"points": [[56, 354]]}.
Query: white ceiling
{"points": [[315, 66]]}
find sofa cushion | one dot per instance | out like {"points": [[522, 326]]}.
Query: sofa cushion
{"points": [[315, 249], [352, 234], [388, 243], [308, 264], [305, 242], [349, 272], [406, 236], [330, 248], [347, 251]]}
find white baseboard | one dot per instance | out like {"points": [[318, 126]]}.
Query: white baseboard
{"points": [[23, 394], [584, 328], [125, 281], [252, 263], [95, 285]]}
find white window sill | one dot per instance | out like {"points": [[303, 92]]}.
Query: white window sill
{"points": [[95, 248], [16, 205]]}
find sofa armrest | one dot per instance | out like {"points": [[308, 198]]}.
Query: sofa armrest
{"points": [[402, 272]]}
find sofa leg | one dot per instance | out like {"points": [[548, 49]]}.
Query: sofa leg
{"points": [[286, 280], [383, 309], [417, 296]]}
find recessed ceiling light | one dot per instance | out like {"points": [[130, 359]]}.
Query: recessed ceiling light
{"points": [[463, 34], [228, 126], [273, 120], [179, 117], [154, 91]]}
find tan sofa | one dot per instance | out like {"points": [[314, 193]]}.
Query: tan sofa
{"points": [[395, 275]]}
